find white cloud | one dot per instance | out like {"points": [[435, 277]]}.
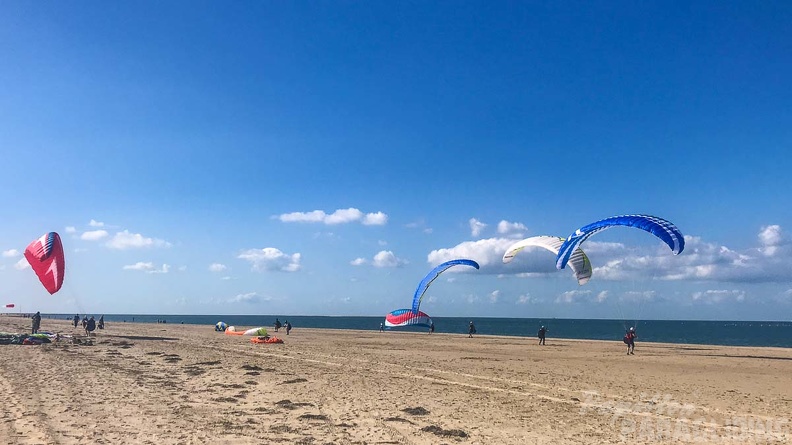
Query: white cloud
{"points": [[139, 266], [718, 296], [95, 223], [250, 297], [638, 296], [70, 229], [771, 238], [226, 278], [382, 243], [94, 235], [581, 296], [700, 261], [386, 258], [271, 259], [217, 267], [375, 219], [525, 299], [21, 264], [476, 227], [493, 296], [488, 253], [340, 216], [125, 240], [11, 253], [512, 229], [358, 262], [164, 269], [147, 267]]}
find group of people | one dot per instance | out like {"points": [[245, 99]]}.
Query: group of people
{"points": [[89, 324], [286, 325]]}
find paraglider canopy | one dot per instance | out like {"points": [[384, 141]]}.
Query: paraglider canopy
{"points": [[432, 275], [10, 305], [579, 262], [220, 326], [659, 227], [45, 256], [406, 317]]}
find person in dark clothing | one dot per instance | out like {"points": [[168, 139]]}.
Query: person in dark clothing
{"points": [[471, 330], [431, 327], [36, 322], [76, 320], [90, 326], [277, 325], [288, 327], [542, 333], [101, 322], [629, 338]]}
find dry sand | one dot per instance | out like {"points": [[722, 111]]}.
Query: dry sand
{"points": [[183, 384]]}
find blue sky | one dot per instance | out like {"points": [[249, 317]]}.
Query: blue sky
{"points": [[321, 157]]}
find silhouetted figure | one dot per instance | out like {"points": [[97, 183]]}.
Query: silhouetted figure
{"points": [[471, 330], [36, 322], [629, 338], [542, 333]]}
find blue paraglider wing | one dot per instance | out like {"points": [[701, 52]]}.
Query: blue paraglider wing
{"points": [[658, 227], [428, 279]]}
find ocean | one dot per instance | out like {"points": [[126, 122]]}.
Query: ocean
{"points": [[728, 333]]}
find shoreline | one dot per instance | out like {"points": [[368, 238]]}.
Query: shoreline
{"points": [[407, 332]]}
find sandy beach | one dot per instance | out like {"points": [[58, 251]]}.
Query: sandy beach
{"points": [[177, 384]]}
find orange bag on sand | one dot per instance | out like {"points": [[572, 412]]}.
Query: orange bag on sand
{"points": [[263, 340]]}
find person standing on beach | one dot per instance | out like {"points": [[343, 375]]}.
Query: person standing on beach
{"points": [[277, 324], [90, 326], [542, 333], [76, 320], [629, 338], [288, 327], [471, 330], [382, 327], [36, 321], [431, 327]]}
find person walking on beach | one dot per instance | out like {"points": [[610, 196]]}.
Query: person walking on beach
{"points": [[629, 338], [277, 324], [76, 320], [471, 330], [382, 327], [288, 327], [101, 322], [542, 333], [36, 322], [431, 327]]}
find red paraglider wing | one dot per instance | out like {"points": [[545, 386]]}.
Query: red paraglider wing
{"points": [[45, 256], [10, 305]]}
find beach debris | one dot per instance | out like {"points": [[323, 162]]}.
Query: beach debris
{"points": [[436, 430], [313, 417], [398, 419], [288, 404], [297, 380], [251, 368], [417, 411]]}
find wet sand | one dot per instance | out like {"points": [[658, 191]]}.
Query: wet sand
{"points": [[186, 384]]}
